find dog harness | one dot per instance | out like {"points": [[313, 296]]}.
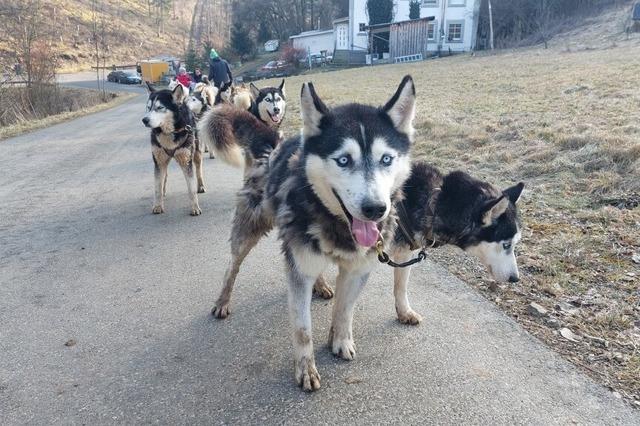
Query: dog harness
{"points": [[402, 221]]}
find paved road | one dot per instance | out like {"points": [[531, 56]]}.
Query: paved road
{"points": [[87, 80], [83, 258]]}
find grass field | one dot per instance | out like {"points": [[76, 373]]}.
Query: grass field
{"points": [[568, 125]]}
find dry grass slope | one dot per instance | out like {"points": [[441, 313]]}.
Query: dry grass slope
{"points": [[130, 32], [568, 124]]}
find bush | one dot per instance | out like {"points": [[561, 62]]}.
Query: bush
{"points": [[292, 55]]}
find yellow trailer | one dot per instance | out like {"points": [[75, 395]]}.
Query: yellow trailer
{"points": [[152, 71]]}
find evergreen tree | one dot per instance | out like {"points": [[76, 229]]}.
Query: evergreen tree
{"points": [[414, 9], [380, 12], [240, 41], [264, 33]]}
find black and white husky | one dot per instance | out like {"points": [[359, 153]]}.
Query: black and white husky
{"points": [[268, 104], [454, 209], [331, 192], [172, 136]]}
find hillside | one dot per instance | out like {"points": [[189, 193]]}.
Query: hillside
{"points": [[130, 31], [601, 31]]}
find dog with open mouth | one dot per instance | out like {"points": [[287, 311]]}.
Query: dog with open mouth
{"points": [[331, 192]]}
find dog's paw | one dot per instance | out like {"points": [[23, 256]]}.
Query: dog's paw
{"points": [[221, 312], [410, 317], [202, 189], [344, 348], [195, 211], [158, 209], [307, 376], [321, 289]]}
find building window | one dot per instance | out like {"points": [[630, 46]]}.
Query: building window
{"points": [[429, 3], [455, 32], [457, 3], [431, 30]]}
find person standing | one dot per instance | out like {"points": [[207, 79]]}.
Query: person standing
{"points": [[219, 70]]}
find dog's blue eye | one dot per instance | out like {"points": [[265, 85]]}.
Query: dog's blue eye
{"points": [[506, 246], [343, 161], [386, 160]]}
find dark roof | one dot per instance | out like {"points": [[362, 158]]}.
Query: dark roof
{"points": [[636, 12]]}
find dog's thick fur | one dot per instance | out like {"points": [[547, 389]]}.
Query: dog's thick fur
{"points": [[232, 94], [330, 192], [236, 136], [460, 210], [172, 136]]}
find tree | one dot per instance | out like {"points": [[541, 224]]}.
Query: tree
{"points": [[191, 60], [264, 33], [380, 12], [240, 41], [414, 9]]}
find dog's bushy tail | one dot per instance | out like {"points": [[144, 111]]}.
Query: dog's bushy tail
{"points": [[216, 131], [236, 136]]}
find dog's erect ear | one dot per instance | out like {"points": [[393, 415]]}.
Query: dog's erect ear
{"points": [[513, 193], [150, 88], [179, 94], [401, 107], [281, 88], [312, 110], [493, 209], [255, 92]]}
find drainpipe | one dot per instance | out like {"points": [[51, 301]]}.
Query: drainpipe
{"points": [[443, 8]]}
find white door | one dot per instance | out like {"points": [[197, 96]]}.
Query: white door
{"points": [[342, 37]]}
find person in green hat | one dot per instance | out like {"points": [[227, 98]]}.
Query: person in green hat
{"points": [[219, 70]]}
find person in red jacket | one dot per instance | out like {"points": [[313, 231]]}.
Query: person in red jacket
{"points": [[184, 78]]}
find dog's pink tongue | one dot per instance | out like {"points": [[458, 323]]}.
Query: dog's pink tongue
{"points": [[365, 233]]}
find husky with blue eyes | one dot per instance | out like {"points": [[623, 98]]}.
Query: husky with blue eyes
{"points": [[331, 192], [460, 210], [172, 127]]}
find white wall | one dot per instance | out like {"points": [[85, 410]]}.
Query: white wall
{"points": [[315, 42], [451, 13], [358, 15]]}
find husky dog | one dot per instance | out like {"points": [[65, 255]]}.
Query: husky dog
{"points": [[236, 136], [172, 125], [459, 210], [174, 83], [239, 96], [268, 104], [201, 100], [331, 192]]}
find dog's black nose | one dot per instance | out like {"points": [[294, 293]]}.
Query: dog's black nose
{"points": [[276, 110], [373, 210], [145, 121], [514, 279]]}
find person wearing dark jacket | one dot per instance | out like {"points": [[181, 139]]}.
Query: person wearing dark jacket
{"points": [[197, 75], [219, 71]]}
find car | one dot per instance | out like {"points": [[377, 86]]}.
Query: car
{"points": [[316, 59], [124, 77], [274, 66], [271, 45]]}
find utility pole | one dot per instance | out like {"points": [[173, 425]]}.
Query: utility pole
{"points": [[490, 26]]}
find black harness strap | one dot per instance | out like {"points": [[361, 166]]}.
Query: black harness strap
{"points": [[403, 221]]}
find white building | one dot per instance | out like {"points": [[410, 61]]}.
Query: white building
{"points": [[453, 29], [455, 25], [314, 41]]}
